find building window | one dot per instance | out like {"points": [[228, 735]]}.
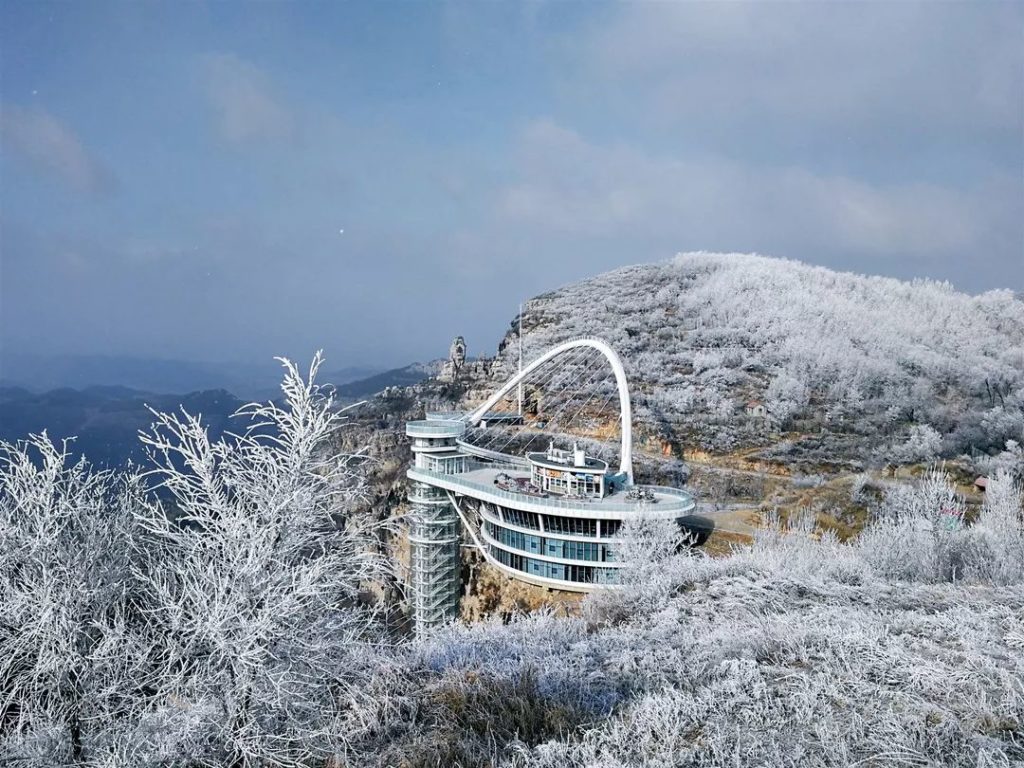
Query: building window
{"points": [[570, 526], [522, 519]]}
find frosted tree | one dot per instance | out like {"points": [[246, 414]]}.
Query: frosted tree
{"points": [[785, 396], [1009, 460], [646, 546], [923, 443], [998, 533], [922, 534], [256, 583], [217, 616], [74, 654]]}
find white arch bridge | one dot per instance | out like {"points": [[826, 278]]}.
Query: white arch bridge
{"points": [[553, 516]]}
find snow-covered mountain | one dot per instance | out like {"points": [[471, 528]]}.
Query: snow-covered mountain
{"points": [[917, 368]]}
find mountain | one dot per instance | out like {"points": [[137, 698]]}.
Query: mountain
{"points": [[846, 367], [405, 376], [349, 374], [257, 381], [104, 421]]}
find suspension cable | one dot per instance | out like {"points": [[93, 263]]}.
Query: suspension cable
{"points": [[554, 419], [565, 380]]}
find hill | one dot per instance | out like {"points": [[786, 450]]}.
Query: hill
{"points": [[104, 421], [848, 368], [406, 376]]}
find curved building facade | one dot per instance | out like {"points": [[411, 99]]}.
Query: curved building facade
{"points": [[554, 522]]}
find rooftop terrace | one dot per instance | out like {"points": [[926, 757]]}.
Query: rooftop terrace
{"points": [[480, 483]]}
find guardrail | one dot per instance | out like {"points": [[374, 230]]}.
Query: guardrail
{"points": [[683, 499], [452, 428], [498, 456]]}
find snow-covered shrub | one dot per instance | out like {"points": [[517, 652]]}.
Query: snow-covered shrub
{"points": [[648, 546], [214, 618], [923, 443], [859, 488], [1009, 460], [998, 533], [74, 653], [256, 585], [785, 396], [921, 534], [807, 481]]}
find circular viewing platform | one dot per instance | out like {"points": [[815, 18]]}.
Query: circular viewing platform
{"points": [[483, 483], [435, 428]]}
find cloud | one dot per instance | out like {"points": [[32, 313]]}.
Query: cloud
{"points": [[914, 66], [571, 187], [243, 101], [51, 147]]}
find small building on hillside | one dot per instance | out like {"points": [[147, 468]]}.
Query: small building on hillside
{"points": [[981, 484], [755, 409]]}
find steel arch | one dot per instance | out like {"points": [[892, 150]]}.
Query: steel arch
{"points": [[625, 410]]}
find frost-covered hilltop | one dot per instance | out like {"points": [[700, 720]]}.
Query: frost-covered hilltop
{"points": [[916, 367]]}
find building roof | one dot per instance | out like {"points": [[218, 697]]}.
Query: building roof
{"points": [[590, 464]]}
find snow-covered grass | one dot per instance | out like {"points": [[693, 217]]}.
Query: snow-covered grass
{"points": [[796, 651]]}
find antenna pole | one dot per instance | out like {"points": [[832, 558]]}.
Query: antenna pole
{"points": [[520, 358]]}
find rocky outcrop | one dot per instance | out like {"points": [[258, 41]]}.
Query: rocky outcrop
{"points": [[456, 359]]}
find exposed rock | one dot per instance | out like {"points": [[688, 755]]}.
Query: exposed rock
{"points": [[489, 592], [456, 359]]}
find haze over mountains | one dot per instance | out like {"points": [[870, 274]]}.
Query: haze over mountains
{"points": [[847, 367], [247, 380], [103, 402]]}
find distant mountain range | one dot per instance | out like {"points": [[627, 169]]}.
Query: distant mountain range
{"points": [[405, 376], [105, 421], [246, 380]]}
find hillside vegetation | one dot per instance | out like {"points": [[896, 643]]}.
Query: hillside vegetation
{"points": [[869, 369]]}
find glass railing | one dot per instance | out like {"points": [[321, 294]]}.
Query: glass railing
{"points": [[445, 428], [677, 499]]}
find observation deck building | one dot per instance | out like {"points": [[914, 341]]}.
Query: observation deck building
{"points": [[551, 518]]}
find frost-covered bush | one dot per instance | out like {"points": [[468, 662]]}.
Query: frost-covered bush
{"points": [[256, 583], [1009, 460], [807, 481], [213, 616], [921, 534], [74, 650], [922, 443]]}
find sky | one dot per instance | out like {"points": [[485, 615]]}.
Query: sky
{"points": [[234, 181]]}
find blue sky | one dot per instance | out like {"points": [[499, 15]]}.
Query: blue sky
{"points": [[176, 176]]}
